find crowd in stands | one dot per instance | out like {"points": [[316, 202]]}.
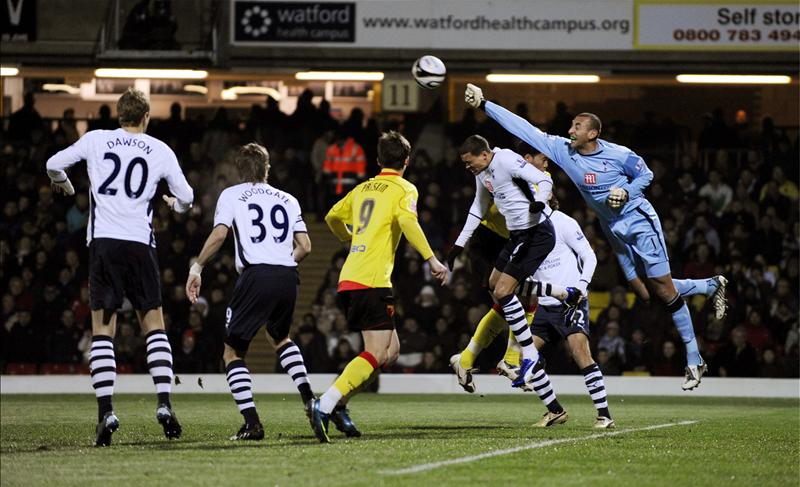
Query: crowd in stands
{"points": [[727, 197]]}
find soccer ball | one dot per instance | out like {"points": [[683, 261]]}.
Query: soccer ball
{"points": [[428, 71]]}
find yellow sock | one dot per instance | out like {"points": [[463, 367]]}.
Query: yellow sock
{"points": [[357, 372], [364, 385], [512, 356], [489, 327]]}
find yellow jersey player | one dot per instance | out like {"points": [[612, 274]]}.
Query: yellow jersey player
{"points": [[378, 211]]}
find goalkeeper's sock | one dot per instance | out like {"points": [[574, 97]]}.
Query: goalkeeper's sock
{"points": [[357, 372], [690, 287], [104, 372], [683, 322], [488, 328], [593, 378]]}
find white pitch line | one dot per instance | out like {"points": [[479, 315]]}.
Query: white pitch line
{"points": [[541, 444]]}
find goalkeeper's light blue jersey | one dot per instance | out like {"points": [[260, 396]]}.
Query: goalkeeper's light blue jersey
{"points": [[611, 166]]}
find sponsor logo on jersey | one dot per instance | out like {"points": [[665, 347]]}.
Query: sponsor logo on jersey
{"points": [[590, 178], [358, 248]]}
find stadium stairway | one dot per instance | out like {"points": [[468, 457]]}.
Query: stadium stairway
{"points": [[261, 357]]}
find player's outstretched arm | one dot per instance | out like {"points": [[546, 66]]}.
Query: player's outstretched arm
{"points": [[515, 124], [210, 248]]}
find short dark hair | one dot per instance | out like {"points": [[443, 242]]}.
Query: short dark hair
{"points": [[523, 148], [595, 123], [131, 107], [252, 161], [393, 150], [475, 145]]}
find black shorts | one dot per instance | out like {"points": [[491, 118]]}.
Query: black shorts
{"points": [[264, 294], [550, 323], [368, 309], [526, 250], [484, 248], [119, 269]]}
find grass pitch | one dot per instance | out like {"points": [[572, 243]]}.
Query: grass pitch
{"points": [[447, 439]]}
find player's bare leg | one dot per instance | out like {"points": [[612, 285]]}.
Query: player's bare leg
{"points": [[664, 288], [377, 344], [159, 363], [103, 367], [341, 414]]}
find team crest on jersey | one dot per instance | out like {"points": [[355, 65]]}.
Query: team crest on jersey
{"points": [[488, 185], [590, 178], [390, 309]]}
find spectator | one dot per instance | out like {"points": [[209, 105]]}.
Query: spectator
{"points": [[315, 352], [669, 363], [62, 343], [717, 192], [770, 365], [344, 167], [24, 121], [607, 365], [738, 358], [614, 344], [412, 344], [188, 359], [104, 120], [638, 353], [342, 354]]}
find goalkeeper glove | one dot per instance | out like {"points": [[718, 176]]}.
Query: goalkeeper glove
{"points": [[617, 198], [64, 186], [473, 96], [536, 207], [453, 255]]}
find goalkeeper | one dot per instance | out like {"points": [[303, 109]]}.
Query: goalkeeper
{"points": [[612, 178]]}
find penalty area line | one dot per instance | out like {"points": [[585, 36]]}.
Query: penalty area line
{"points": [[539, 444]]}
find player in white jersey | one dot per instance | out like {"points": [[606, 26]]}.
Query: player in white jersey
{"points": [[271, 238], [125, 167], [505, 176], [571, 263]]}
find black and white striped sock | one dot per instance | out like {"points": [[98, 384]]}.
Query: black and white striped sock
{"points": [[159, 361], [242, 389], [292, 363], [104, 372], [597, 389], [514, 314], [541, 384]]}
